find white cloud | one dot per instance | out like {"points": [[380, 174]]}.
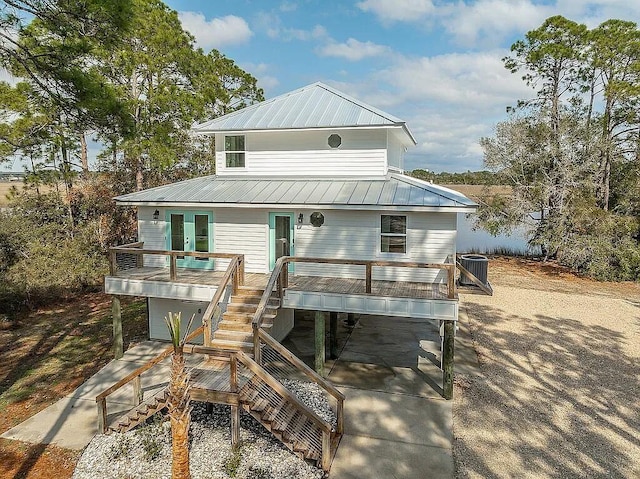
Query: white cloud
{"points": [[471, 22], [489, 20], [353, 50], [288, 7], [261, 71], [398, 10], [217, 32]]}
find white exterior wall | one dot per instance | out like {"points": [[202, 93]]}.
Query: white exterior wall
{"points": [[239, 231], [159, 308], [395, 152], [431, 238], [153, 234], [363, 152], [242, 231]]}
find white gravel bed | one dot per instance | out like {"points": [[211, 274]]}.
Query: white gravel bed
{"points": [[145, 452], [312, 396]]}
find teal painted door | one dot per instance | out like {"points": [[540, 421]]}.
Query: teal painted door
{"points": [[191, 231], [281, 237]]}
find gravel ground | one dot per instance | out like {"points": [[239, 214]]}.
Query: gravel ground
{"points": [[558, 386], [145, 452]]}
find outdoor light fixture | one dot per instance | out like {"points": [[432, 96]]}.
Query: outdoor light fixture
{"points": [[156, 215], [300, 218]]}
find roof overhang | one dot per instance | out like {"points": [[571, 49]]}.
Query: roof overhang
{"points": [[276, 206]]}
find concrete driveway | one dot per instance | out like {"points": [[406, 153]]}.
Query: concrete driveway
{"points": [[396, 423]]}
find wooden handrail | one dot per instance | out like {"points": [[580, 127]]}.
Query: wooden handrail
{"points": [[280, 389], [268, 290], [449, 267], [293, 359], [121, 249], [146, 366], [233, 271]]}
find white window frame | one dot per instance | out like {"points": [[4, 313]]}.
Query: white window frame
{"points": [[394, 235], [243, 152]]}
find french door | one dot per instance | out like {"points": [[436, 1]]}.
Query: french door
{"points": [[281, 240], [191, 231]]}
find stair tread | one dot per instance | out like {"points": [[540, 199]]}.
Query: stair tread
{"points": [[226, 344]]}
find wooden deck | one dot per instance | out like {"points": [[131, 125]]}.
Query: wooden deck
{"points": [[397, 289]]}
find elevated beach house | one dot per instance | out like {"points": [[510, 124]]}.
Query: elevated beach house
{"points": [[309, 209]]}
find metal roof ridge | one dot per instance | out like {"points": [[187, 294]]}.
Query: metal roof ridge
{"points": [[437, 189]]}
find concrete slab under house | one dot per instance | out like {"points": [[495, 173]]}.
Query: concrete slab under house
{"points": [[309, 210]]}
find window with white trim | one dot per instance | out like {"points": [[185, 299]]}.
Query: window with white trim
{"points": [[234, 151], [393, 234]]}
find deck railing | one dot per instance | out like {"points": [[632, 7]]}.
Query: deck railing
{"points": [[137, 251], [136, 380]]}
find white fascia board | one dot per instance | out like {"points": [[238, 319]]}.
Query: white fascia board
{"points": [[276, 206]]}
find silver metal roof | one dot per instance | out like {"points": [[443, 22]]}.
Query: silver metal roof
{"points": [[395, 191], [313, 106]]}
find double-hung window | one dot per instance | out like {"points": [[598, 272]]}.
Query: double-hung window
{"points": [[393, 234], [234, 151]]}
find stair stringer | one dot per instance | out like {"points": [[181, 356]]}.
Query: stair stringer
{"points": [[140, 413]]}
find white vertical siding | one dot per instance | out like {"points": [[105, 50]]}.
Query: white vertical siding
{"points": [[153, 234], [242, 231], [356, 235], [159, 308], [363, 152]]}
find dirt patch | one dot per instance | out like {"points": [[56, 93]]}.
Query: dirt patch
{"points": [[555, 394], [45, 355]]}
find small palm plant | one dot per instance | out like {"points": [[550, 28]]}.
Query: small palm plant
{"points": [[179, 399]]}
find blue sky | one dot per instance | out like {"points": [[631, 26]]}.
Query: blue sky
{"points": [[435, 64]]}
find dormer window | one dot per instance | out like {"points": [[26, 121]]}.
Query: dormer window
{"points": [[234, 151]]}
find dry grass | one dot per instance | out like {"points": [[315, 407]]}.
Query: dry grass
{"points": [[44, 356]]}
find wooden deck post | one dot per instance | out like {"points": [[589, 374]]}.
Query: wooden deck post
{"points": [[102, 415], [320, 343], [326, 451], [235, 410], [173, 267], [138, 393], [116, 313], [368, 278], [447, 359], [333, 335]]}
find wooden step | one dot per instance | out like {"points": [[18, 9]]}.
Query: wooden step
{"points": [[230, 335], [246, 299], [250, 290], [245, 317], [231, 325], [140, 413], [234, 345], [248, 308]]}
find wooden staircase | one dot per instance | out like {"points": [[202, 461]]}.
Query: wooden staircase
{"points": [[235, 331], [140, 413], [290, 421]]}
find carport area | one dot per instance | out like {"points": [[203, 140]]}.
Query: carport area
{"points": [[397, 423]]}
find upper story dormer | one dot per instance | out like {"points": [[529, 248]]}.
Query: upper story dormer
{"points": [[313, 131]]}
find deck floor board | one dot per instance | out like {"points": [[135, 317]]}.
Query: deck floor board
{"points": [[398, 289]]}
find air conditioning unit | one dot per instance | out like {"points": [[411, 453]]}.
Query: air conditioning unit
{"points": [[477, 265]]}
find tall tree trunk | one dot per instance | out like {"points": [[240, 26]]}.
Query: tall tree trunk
{"points": [[84, 158], [139, 175]]}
